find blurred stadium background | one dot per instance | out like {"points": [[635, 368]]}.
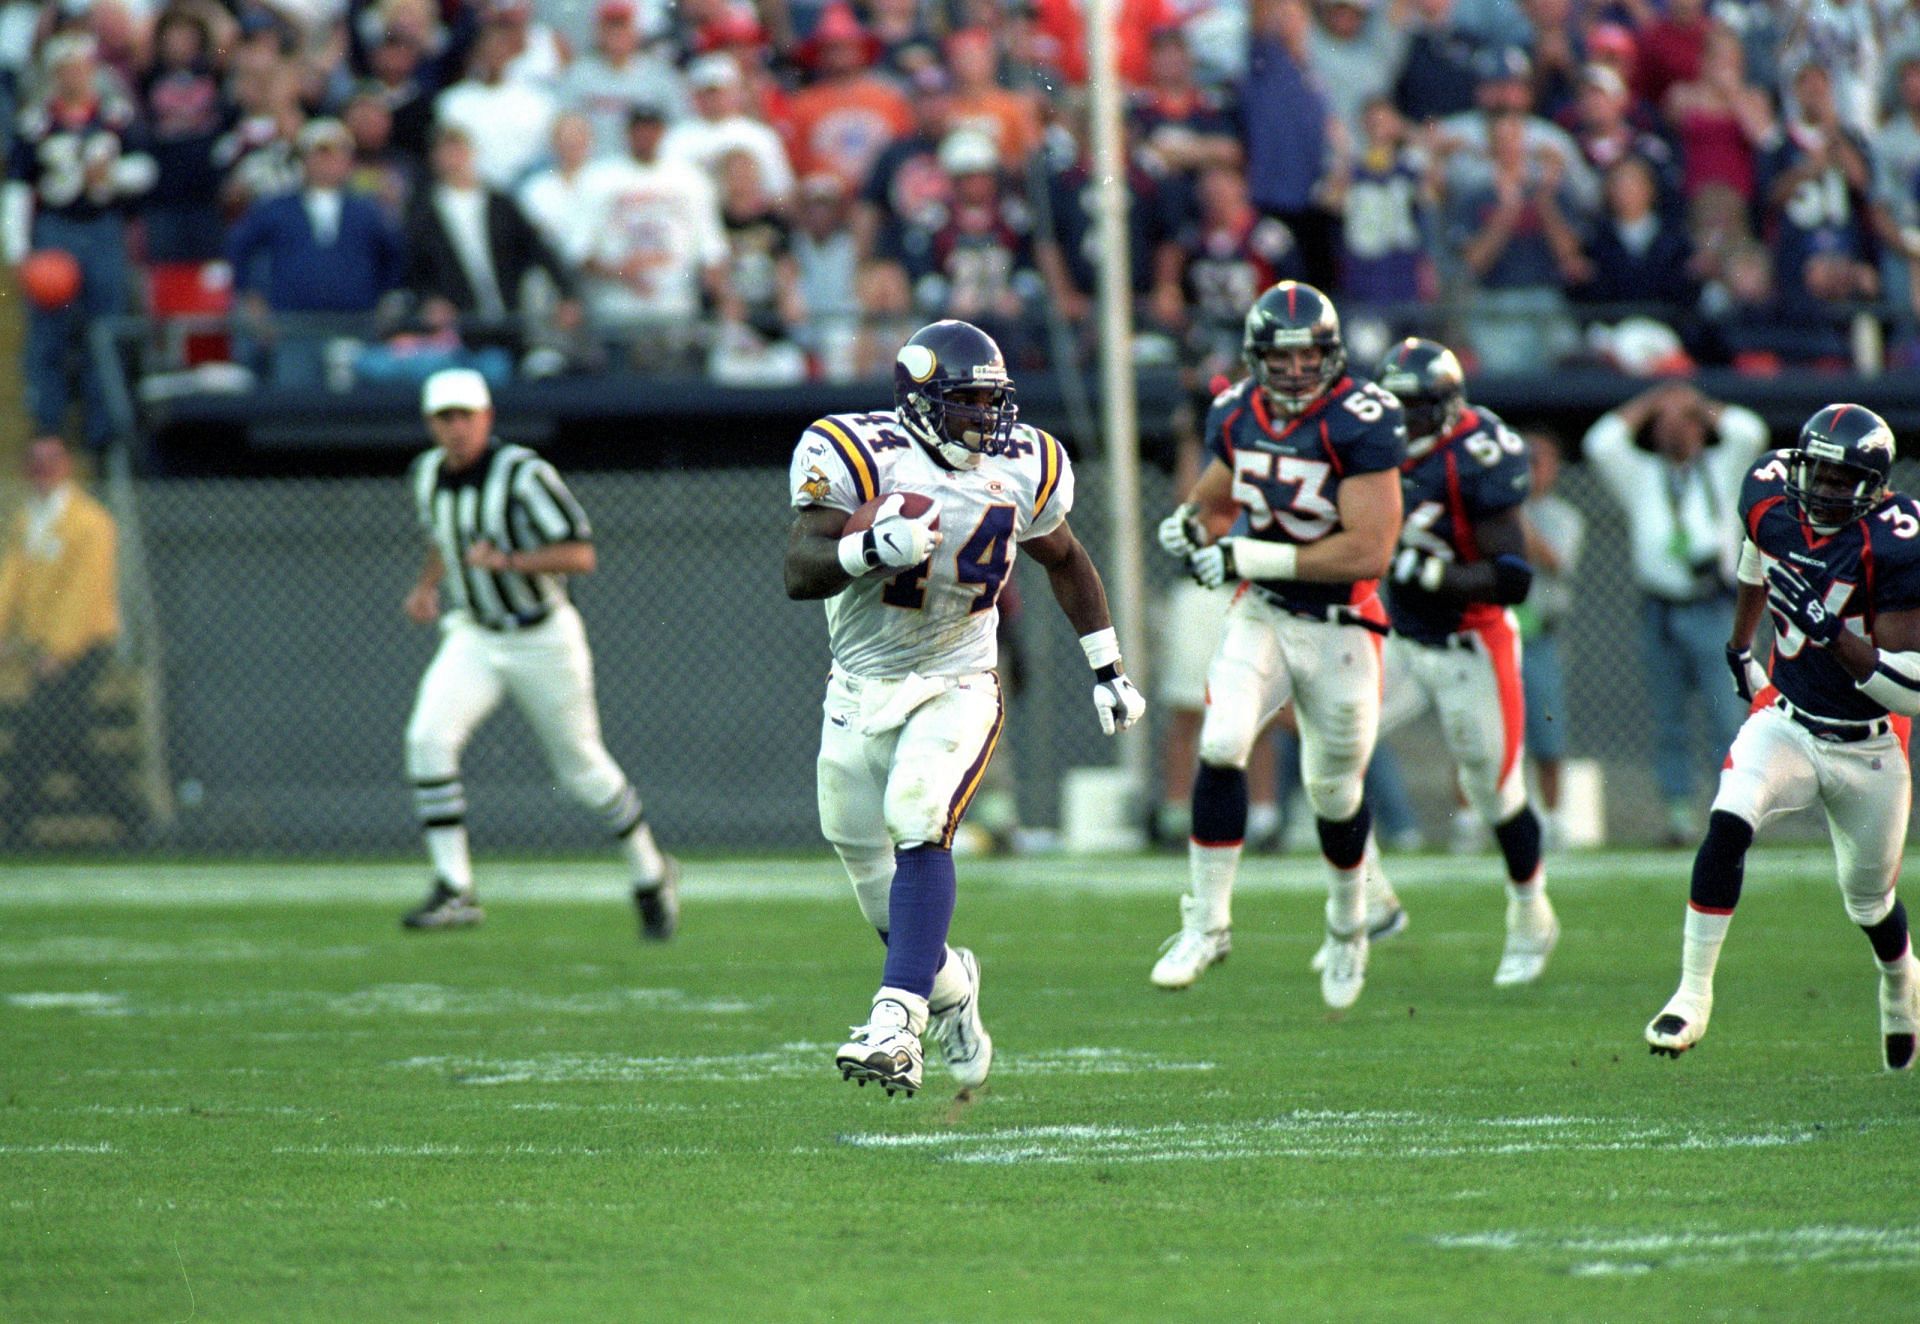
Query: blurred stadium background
{"points": [[261, 680]]}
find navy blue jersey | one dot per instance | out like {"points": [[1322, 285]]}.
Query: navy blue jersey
{"points": [[1286, 477], [1870, 566], [1473, 473], [52, 154]]}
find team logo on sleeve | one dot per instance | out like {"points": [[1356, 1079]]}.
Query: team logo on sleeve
{"points": [[817, 485]]}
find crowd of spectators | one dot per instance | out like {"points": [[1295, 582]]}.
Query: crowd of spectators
{"points": [[772, 191]]}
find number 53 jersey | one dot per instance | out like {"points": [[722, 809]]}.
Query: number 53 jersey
{"points": [[1867, 567], [1287, 472], [937, 618]]}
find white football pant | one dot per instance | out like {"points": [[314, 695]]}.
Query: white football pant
{"points": [[1474, 685]]}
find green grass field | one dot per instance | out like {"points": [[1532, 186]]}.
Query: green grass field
{"points": [[240, 1092]]}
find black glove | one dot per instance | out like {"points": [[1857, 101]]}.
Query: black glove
{"points": [[1512, 578], [1795, 599]]}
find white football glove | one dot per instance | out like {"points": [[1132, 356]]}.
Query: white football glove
{"points": [[1180, 532], [1212, 566], [1118, 701], [1413, 566], [896, 541], [1749, 677]]}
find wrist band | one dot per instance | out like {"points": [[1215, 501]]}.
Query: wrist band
{"points": [[1102, 648], [853, 553]]}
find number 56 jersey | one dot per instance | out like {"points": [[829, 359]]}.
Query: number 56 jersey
{"points": [[1867, 567], [1287, 472], [937, 618]]}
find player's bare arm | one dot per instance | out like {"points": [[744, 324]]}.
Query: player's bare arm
{"points": [[559, 558], [1748, 607], [422, 603], [1362, 547], [813, 568], [1502, 576], [1077, 586]]}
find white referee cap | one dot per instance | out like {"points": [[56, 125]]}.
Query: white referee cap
{"points": [[455, 388]]}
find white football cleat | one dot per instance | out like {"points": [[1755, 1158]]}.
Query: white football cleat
{"points": [[1532, 931], [885, 1049], [1900, 1014], [1681, 1024], [1189, 952], [1386, 918], [1345, 971], [956, 1027]]}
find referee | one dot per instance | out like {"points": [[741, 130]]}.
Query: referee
{"points": [[503, 533]]}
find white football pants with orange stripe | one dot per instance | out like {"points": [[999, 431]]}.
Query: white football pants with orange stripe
{"points": [[900, 759], [1330, 673], [1474, 684], [1777, 766]]}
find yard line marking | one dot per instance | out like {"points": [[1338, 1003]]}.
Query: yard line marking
{"points": [[1634, 1253], [787, 1062], [97, 1002], [60, 1147], [298, 883], [1308, 1134], [69, 949]]}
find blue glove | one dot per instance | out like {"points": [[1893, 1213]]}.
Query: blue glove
{"points": [[1800, 604]]}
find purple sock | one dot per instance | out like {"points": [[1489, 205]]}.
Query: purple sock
{"points": [[919, 911]]}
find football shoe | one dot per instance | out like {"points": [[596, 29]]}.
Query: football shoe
{"points": [[1187, 954], [1900, 1013], [658, 904], [885, 1050], [1681, 1024], [446, 907], [956, 1027], [1345, 972], [1532, 931]]}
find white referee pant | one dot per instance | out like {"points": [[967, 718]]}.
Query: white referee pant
{"points": [[548, 671], [1330, 672], [1777, 766], [1473, 683]]}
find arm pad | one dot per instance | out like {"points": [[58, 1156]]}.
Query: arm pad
{"points": [[1895, 683], [1256, 558], [1512, 578]]}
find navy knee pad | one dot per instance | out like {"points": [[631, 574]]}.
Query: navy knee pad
{"points": [[1345, 844], [1219, 806], [1720, 867]]}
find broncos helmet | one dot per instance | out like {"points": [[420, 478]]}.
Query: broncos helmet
{"points": [[1293, 315], [1839, 469], [1432, 388], [936, 369]]}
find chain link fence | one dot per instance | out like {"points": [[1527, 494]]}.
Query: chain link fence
{"points": [[258, 700]]}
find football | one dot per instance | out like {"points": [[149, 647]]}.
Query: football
{"points": [[913, 504]]}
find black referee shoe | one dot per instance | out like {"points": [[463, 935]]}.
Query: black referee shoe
{"points": [[659, 903], [446, 907]]}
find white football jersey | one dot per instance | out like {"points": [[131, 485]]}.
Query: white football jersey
{"points": [[937, 618]]}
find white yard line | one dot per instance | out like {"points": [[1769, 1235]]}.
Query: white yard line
{"points": [[1597, 1254], [166, 884]]}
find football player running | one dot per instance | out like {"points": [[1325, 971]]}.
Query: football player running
{"points": [[1455, 645], [1834, 555], [1305, 470], [913, 707]]}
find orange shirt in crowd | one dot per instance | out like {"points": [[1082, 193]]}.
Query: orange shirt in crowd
{"points": [[842, 126], [1064, 21], [1009, 117]]}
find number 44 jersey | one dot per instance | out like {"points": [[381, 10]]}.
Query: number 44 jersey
{"points": [[937, 618], [1287, 472], [1867, 567]]}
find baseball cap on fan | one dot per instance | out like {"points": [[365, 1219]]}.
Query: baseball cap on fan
{"points": [[455, 388]]}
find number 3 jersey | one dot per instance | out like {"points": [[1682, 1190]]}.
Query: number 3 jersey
{"points": [[1287, 473], [937, 618], [1473, 473], [1869, 566]]}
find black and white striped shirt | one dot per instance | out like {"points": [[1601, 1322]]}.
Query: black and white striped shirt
{"points": [[513, 499]]}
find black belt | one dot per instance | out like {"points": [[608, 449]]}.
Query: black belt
{"points": [[1338, 613], [523, 620], [1462, 642], [1822, 728]]}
